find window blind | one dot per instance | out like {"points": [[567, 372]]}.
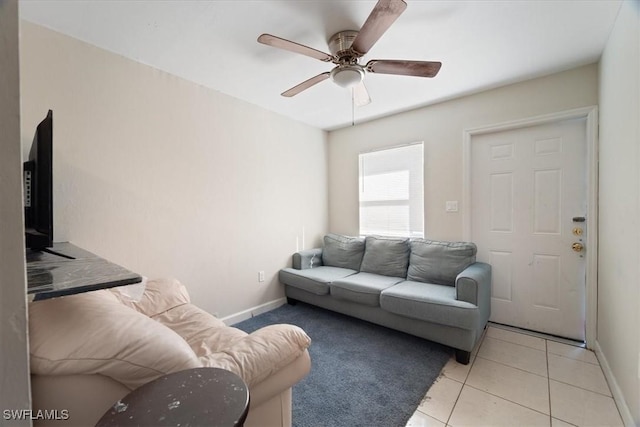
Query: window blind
{"points": [[392, 192]]}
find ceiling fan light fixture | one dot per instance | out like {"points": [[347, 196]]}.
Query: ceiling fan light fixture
{"points": [[347, 76], [347, 47]]}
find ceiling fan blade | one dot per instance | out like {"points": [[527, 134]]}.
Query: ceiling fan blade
{"points": [[380, 19], [285, 44], [404, 68], [305, 85], [361, 95]]}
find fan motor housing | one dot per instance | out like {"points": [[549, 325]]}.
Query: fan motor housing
{"points": [[340, 46]]}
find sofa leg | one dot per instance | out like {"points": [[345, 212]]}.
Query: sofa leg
{"points": [[463, 356], [291, 301]]}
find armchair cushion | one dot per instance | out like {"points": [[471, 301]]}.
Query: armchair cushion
{"points": [[94, 333], [159, 296]]}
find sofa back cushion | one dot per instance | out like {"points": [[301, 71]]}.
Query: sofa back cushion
{"points": [[388, 256], [343, 251], [437, 262]]}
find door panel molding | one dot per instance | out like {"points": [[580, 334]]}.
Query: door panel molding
{"points": [[591, 257]]}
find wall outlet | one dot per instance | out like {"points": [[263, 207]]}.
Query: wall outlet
{"points": [[260, 276]]}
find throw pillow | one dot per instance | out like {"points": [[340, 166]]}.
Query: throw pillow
{"points": [[437, 262], [342, 251], [388, 256]]}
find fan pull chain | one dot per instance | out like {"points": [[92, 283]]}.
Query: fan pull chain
{"points": [[353, 106]]}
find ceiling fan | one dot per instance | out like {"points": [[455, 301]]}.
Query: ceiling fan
{"points": [[347, 47]]}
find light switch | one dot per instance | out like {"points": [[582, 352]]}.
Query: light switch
{"points": [[452, 206]]}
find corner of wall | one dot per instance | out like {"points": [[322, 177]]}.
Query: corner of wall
{"points": [[14, 363]]}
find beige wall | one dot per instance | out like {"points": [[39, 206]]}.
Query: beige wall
{"points": [[14, 364], [441, 127], [619, 237], [169, 178]]}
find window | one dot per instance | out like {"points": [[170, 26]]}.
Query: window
{"points": [[391, 192]]}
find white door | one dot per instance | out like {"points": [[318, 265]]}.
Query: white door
{"points": [[528, 201]]}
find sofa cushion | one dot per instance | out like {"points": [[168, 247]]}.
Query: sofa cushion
{"points": [[439, 262], [430, 302], [388, 256], [363, 288], [314, 280], [342, 251]]}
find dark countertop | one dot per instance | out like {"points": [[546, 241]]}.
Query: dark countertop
{"points": [[50, 275]]}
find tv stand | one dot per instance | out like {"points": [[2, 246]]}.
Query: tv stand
{"points": [[67, 269]]}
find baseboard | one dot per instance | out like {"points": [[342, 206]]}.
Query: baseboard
{"points": [[618, 397], [253, 311]]}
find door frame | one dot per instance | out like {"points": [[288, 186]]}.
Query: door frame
{"points": [[591, 257]]}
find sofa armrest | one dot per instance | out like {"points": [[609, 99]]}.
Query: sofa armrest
{"points": [[474, 284], [309, 258]]}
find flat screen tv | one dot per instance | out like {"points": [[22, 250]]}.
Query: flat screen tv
{"points": [[38, 188]]}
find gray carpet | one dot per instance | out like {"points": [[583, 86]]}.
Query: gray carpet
{"points": [[361, 374]]}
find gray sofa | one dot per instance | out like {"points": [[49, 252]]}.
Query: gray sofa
{"points": [[432, 289]]}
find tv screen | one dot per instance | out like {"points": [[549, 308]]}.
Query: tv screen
{"points": [[38, 188]]}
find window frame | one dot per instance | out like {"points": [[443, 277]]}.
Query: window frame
{"points": [[415, 189]]}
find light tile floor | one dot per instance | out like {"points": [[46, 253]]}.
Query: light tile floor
{"points": [[516, 379]]}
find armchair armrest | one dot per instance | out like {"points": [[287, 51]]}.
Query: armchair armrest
{"points": [[474, 285], [309, 258], [261, 353]]}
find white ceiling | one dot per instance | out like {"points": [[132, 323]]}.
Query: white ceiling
{"points": [[482, 44]]}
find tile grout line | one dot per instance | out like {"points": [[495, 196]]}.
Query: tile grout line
{"points": [[514, 367], [546, 357], [548, 376], [540, 335], [515, 343], [577, 360], [522, 370], [484, 335], [581, 388], [510, 401], [453, 408]]}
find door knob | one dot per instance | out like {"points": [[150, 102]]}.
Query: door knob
{"points": [[578, 247]]}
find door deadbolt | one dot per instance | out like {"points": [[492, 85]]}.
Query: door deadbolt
{"points": [[577, 231], [577, 247]]}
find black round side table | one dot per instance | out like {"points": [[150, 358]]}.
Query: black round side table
{"points": [[193, 397]]}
